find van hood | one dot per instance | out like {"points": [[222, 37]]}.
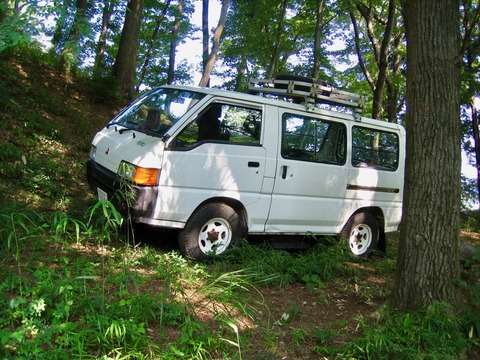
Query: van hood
{"points": [[113, 146]]}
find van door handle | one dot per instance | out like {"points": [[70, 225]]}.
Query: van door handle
{"points": [[253, 164], [284, 172]]}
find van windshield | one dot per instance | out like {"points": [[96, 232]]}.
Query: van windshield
{"points": [[156, 112]]}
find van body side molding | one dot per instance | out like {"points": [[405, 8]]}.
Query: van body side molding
{"points": [[372, 188]]}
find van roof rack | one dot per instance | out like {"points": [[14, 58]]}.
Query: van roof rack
{"points": [[301, 88]]}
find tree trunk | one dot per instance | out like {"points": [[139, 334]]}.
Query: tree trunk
{"points": [[476, 144], [125, 63], [393, 107], [205, 36], [151, 45], [173, 43], [380, 51], [276, 45], [99, 66], [317, 39], [216, 44], [428, 263]]}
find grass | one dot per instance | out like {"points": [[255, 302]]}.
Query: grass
{"points": [[77, 282], [78, 288]]}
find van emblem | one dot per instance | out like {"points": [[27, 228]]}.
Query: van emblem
{"points": [[108, 150], [141, 143]]}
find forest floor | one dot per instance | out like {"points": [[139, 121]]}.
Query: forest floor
{"points": [[56, 117]]}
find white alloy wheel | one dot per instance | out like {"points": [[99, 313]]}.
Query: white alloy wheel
{"points": [[360, 239], [211, 230], [215, 236], [362, 232]]}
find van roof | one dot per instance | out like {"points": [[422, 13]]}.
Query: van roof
{"points": [[279, 102]]}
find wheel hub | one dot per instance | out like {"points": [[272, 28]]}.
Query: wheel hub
{"points": [[212, 235]]}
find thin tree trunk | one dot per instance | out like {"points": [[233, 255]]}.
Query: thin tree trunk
{"points": [[428, 263], [476, 144], [151, 45], [173, 44], [317, 39], [216, 44], [205, 36], [99, 66], [392, 106], [276, 45]]}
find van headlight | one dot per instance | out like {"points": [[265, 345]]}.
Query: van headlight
{"points": [[93, 152], [138, 175]]}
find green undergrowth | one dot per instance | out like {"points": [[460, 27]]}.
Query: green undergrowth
{"points": [[87, 288]]}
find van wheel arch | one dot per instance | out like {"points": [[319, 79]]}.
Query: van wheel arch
{"points": [[234, 203]]}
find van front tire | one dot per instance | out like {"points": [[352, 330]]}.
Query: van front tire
{"points": [[210, 231], [362, 233]]}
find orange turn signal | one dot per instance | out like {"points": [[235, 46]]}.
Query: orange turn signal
{"points": [[145, 176]]}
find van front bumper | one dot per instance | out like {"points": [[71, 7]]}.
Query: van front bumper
{"points": [[129, 199]]}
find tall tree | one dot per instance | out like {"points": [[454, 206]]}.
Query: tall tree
{"points": [[317, 38], [205, 36], [277, 39], [375, 23], [151, 44], [99, 66], [215, 45], [125, 62], [428, 263]]}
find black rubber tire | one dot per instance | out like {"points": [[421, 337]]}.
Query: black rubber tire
{"points": [[211, 230], [362, 233]]}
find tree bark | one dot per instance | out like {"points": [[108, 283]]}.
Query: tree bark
{"points": [[428, 263], [125, 62], [216, 44]]}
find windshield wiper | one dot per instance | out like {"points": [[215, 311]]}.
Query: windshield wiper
{"points": [[113, 123], [121, 131]]}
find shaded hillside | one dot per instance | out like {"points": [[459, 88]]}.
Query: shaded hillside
{"points": [[47, 123]]}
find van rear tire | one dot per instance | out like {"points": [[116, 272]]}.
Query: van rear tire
{"points": [[211, 231], [362, 233]]}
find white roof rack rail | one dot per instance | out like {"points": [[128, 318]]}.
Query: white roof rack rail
{"points": [[308, 90]]}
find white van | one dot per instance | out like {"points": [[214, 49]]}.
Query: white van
{"points": [[219, 165]]}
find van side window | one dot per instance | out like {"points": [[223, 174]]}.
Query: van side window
{"points": [[311, 139], [223, 122], [374, 148]]}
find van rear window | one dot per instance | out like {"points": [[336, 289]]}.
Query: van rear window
{"points": [[373, 148]]}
